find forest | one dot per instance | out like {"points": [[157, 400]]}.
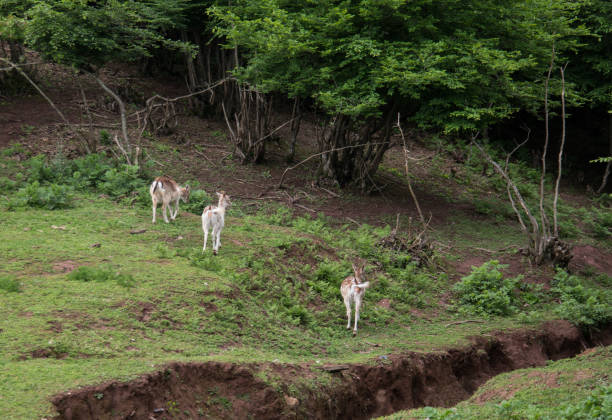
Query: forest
{"points": [[447, 162]]}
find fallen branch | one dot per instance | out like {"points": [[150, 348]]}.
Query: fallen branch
{"points": [[474, 321], [57, 110], [305, 208]]}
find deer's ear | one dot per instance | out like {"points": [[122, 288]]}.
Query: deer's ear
{"points": [[355, 268], [219, 193]]}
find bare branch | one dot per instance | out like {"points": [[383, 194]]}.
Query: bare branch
{"points": [[280, 183], [405, 148], [560, 158], [57, 110]]}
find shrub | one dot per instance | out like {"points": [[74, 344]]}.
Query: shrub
{"points": [[89, 171], [198, 199], [485, 291], [122, 181], [582, 306], [9, 284], [50, 197], [7, 184], [601, 225]]}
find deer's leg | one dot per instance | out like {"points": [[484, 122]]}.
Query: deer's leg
{"points": [[215, 238], [205, 228], [176, 209], [154, 207], [357, 307], [165, 208], [347, 303]]}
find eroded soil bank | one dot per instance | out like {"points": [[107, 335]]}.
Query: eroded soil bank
{"points": [[386, 385]]}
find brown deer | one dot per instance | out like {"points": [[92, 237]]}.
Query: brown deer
{"points": [[165, 190], [353, 290]]}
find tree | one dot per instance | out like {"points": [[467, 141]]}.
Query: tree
{"points": [[593, 73], [455, 66], [87, 35]]}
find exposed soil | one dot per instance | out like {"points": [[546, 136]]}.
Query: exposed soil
{"points": [[587, 255], [387, 384]]}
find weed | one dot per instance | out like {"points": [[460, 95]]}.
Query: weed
{"points": [[105, 138], [14, 149], [100, 275], [581, 305], [9, 284]]}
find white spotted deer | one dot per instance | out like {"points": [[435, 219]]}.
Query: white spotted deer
{"points": [[214, 216], [165, 190], [353, 290]]}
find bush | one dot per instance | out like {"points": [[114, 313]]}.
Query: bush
{"points": [[582, 306], [50, 197], [9, 284], [485, 291], [89, 171], [122, 181], [198, 199], [601, 225]]}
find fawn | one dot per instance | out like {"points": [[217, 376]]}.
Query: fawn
{"points": [[215, 216], [353, 290], [166, 190]]}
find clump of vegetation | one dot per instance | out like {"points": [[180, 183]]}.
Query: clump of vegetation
{"points": [[595, 406], [100, 275], [9, 284], [50, 197], [485, 291], [583, 306]]}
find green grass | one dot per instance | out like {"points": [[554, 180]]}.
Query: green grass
{"points": [[136, 301], [566, 389], [271, 294]]}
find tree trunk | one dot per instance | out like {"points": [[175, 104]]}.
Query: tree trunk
{"points": [[296, 119], [354, 154], [126, 145], [604, 181]]}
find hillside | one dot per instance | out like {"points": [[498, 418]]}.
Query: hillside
{"points": [[92, 292]]}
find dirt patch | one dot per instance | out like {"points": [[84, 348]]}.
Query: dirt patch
{"points": [[384, 303], [589, 256], [65, 266], [396, 382]]}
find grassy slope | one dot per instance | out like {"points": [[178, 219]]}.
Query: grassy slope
{"points": [[272, 294], [536, 393], [257, 301]]}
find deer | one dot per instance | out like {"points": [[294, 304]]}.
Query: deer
{"points": [[165, 190], [214, 216], [352, 290]]}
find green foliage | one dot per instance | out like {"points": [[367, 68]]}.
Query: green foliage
{"points": [[122, 181], [198, 199], [486, 292], [14, 149], [601, 222], [100, 275], [583, 306], [76, 33], [9, 284], [50, 197], [453, 66], [595, 406]]}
